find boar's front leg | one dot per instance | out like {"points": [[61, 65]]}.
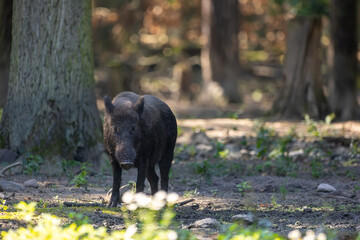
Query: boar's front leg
{"points": [[115, 195], [142, 172]]}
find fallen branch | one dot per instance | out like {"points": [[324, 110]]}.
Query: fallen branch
{"points": [[184, 202], [75, 204], [9, 167]]}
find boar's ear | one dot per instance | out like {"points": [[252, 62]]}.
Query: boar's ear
{"points": [[139, 105], [108, 104]]}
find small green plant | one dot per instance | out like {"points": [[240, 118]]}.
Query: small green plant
{"points": [[80, 180], [316, 168], [3, 207], [329, 118], [273, 201], [351, 175], [78, 218], [42, 203], [264, 140], [283, 190], [214, 192], [354, 148], [68, 164], [356, 188], [203, 168], [32, 164], [220, 151], [242, 187], [312, 126], [191, 193], [244, 142]]}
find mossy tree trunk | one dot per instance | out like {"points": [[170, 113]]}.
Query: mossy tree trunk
{"points": [[220, 55], [51, 105], [303, 89], [5, 43], [342, 84]]}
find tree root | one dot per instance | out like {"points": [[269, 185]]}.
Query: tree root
{"points": [[9, 167]]}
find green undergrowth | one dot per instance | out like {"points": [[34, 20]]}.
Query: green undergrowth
{"points": [[145, 218]]}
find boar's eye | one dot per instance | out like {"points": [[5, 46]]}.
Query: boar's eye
{"points": [[132, 130]]}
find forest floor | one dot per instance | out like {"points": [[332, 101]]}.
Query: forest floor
{"points": [[233, 166], [229, 162]]}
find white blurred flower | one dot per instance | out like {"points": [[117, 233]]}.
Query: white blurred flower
{"points": [[142, 200], [172, 235], [130, 231], [310, 235], [160, 195], [132, 207], [321, 236], [294, 235], [172, 197], [157, 204], [128, 197]]}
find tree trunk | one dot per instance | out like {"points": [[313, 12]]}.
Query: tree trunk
{"points": [[303, 90], [5, 43], [343, 81], [219, 55], [51, 108]]}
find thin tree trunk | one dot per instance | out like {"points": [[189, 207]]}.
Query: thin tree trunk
{"points": [[51, 108], [220, 56], [303, 92], [5, 43], [343, 81]]}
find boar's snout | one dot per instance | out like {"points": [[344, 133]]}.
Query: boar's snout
{"points": [[125, 155]]}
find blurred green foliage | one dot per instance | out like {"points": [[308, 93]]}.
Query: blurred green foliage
{"points": [[306, 7], [32, 164]]}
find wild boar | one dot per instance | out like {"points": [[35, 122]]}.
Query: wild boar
{"points": [[139, 131]]}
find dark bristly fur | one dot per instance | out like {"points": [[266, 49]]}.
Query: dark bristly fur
{"points": [[139, 131]]}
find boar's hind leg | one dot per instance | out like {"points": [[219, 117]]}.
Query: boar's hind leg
{"points": [[115, 195], [153, 180], [165, 165]]}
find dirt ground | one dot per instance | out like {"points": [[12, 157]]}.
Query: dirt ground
{"points": [[217, 164]]}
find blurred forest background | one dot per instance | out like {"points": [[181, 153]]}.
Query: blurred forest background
{"points": [[283, 56], [287, 57]]}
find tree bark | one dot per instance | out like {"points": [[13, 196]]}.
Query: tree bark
{"points": [[303, 90], [5, 43], [342, 84], [51, 107], [220, 55]]}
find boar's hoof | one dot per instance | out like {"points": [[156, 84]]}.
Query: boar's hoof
{"points": [[126, 166]]}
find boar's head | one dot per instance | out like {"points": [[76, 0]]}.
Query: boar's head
{"points": [[125, 128]]}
